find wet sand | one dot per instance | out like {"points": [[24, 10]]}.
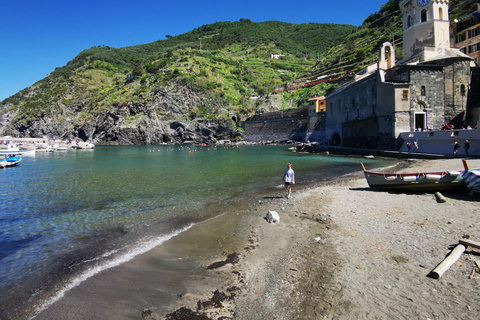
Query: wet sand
{"points": [[340, 251]]}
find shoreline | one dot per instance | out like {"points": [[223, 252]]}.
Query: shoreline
{"points": [[360, 262]]}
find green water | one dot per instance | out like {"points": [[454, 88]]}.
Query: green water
{"points": [[63, 210]]}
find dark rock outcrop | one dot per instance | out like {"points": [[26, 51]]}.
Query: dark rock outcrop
{"points": [[148, 120]]}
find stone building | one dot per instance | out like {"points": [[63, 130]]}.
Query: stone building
{"points": [[428, 87]]}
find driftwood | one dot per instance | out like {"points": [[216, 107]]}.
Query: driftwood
{"points": [[440, 197], [448, 261], [472, 274], [469, 243]]}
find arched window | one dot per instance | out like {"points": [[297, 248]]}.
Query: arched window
{"points": [[462, 90], [409, 21], [424, 15], [423, 91], [440, 13]]}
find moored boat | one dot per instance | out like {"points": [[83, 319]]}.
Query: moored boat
{"points": [[15, 149], [422, 181], [10, 161]]}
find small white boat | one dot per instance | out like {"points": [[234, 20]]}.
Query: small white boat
{"points": [[420, 181], [27, 152], [60, 147], [15, 149]]}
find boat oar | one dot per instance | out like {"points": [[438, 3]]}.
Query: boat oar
{"points": [[465, 165], [363, 167]]}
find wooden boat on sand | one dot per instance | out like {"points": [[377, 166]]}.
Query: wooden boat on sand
{"points": [[422, 181]]}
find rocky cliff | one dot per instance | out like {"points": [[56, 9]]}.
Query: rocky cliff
{"points": [[147, 120]]}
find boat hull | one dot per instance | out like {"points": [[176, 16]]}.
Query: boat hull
{"points": [[427, 181], [472, 179], [10, 162]]}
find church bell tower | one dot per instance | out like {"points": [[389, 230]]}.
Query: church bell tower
{"points": [[426, 28]]}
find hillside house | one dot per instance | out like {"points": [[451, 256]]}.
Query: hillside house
{"points": [[277, 56], [317, 105], [466, 34]]}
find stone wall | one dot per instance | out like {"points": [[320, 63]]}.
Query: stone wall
{"points": [[300, 129], [276, 130], [457, 75], [301, 111], [431, 99], [316, 130]]}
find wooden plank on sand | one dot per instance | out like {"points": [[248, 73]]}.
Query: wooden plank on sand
{"points": [[469, 243]]}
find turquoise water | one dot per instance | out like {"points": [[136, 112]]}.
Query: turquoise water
{"points": [[64, 212]]}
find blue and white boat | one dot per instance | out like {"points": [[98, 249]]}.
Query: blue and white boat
{"points": [[10, 161], [472, 178]]}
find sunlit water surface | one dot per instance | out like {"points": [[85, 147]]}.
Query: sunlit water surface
{"points": [[63, 212]]}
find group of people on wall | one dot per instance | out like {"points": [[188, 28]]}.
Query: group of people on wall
{"points": [[456, 146], [446, 126]]}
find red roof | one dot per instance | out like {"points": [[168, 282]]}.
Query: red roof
{"points": [[317, 98]]}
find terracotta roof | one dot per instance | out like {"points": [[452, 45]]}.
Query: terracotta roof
{"points": [[317, 98]]}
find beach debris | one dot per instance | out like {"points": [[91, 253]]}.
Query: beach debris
{"points": [[211, 306], [447, 262], [214, 301], [454, 256], [317, 239], [186, 314], [232, 258], [272, 216], [472, 274], [147, 314], [440, 197], [471, 243]]}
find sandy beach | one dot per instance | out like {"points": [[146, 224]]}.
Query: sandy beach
{"points": [[343, 251], [340, 251]]}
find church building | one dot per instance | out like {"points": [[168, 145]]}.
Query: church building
{"points": [[428, 87]]}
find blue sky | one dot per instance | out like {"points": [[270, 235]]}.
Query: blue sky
{"points": [[38, 36]]}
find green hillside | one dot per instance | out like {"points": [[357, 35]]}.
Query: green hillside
{"points": [[227, 60]]}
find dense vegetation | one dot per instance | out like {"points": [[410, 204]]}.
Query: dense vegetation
{"points": [[228, 61]]}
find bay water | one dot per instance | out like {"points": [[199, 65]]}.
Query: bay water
{"points": [[65, 216]]}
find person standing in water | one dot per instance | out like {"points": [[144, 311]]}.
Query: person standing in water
{"points": [[289, 179]]}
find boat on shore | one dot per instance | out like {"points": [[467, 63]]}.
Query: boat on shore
{"points": [[472, 178], [10, 161], [421, 181]]}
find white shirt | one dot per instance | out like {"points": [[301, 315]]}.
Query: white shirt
{"points": [[289, 175]]}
